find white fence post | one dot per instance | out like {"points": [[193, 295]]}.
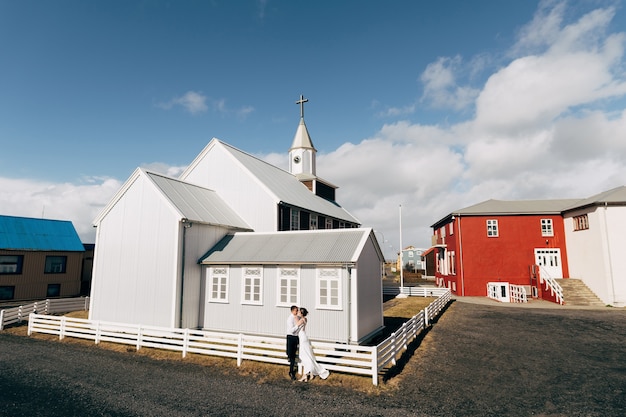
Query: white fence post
{"points": [[31, 317], [185, 342], [240, 350], [1, 319], [375, 367], [139, 335], [62, 329], [98, 332], [425, 317]]}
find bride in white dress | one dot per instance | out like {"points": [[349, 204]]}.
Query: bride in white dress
{"points": [[311, 367]]}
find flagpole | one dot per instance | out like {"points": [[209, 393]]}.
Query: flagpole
{"points": [[401, 295]]}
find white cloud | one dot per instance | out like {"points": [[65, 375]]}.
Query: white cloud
{"points": [[195, 102], [79, 203], [440, 85], [191, 101], [578, 68], [163, 168]]}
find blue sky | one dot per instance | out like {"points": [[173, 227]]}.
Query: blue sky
{"points": [[430, 105]]}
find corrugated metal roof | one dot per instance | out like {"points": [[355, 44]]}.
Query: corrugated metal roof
{"points": [[311, 246], [518, 207], [24, 233], [510, 207], [615, 196], [287, 188], [196, 203]]}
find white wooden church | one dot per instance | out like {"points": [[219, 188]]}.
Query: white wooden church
{"points": [[232, 243]]}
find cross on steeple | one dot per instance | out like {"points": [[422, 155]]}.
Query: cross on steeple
{"points": [[301, 103]]}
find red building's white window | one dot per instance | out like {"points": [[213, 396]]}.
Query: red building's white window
{"points": [[492, 228], [546, 227]]}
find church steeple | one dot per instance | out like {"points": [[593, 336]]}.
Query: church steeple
{"points": [[302, 152]]}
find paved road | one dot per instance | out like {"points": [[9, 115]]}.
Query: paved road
{"points": [[477, 360]]}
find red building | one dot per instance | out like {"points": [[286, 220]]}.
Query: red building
{"points": [[501, 243]]}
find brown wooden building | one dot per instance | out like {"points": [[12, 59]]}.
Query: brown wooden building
{"points": [[39, 259]]}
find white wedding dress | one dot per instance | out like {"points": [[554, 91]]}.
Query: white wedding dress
{"points": [[307, 358]]}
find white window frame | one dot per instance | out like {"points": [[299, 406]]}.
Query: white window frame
{"points": [[313, 222], [252, 285], [581, 222], [492, 228], [288, 283], [218, 277], [547, 228], [294, 223], [452, 261], [451, 229], [329, 223], [328, 289]]}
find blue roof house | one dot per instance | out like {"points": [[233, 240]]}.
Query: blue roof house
{"points": [[39, 258]]}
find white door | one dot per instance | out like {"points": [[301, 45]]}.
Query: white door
{"points": [[499, 291], [549, 261]]}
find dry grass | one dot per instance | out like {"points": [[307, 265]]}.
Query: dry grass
{"points": [[396, 311]]}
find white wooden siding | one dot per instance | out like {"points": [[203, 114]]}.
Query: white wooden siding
{"points": [[596, 255], [130, 283], [219, 171], [368, 292], [199, 238], [269, 318]]}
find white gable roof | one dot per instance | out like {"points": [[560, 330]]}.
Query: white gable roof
{"points": [[336, 246], [191, 202], [284, 186]]}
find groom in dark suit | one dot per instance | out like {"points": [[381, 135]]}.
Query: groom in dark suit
{"points": [[292, 341]]}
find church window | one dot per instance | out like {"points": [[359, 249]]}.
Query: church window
{"points": [[295, 219], [288, 286], [218, 279], [329, 288], [252, 285]]}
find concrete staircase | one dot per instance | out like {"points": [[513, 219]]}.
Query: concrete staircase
{"points": [[576, 293]]}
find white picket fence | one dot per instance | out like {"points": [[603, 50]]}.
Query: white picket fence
{"points": [[57, 305], [416, 291], [352, 359]]}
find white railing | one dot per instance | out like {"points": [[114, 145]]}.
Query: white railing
{"points": [[518, 293], [57, 305], [354, 359], [416, 291], [555, 288]]}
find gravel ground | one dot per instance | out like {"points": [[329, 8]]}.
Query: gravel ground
{"points": [[476, 360]]}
